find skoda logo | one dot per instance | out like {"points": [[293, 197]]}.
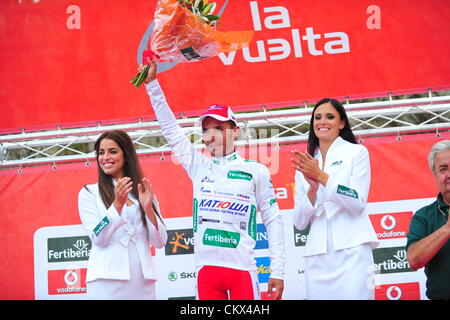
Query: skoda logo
{"points": [[172, 276]]}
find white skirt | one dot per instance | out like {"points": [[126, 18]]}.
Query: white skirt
{"points": [[137, 288], [346, 274]]}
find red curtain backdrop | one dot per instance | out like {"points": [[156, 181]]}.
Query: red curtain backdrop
{"points": [[302, 50]]}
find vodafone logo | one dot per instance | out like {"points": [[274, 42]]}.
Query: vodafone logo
{"points": [[67, 281], [398, 291], [388, 222], [71, 278], [394, 293], [391, 225]]}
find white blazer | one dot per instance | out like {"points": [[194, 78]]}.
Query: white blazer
{"points": [[342, 203], [110, 234]]}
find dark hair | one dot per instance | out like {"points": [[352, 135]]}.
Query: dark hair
{"points": [[345, 133], [131, 169]]}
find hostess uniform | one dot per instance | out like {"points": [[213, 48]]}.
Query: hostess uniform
{"points": [[339, 262], [120, 248], [228, 193]]}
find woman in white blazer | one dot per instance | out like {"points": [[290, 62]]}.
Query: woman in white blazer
{"points": [[122, 217], [332, 182]]}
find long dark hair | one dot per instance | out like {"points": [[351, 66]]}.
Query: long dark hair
{"points": [[131, 169], [345, 133]]}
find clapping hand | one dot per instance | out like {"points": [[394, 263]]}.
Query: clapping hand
{"points": [[121, 190]]}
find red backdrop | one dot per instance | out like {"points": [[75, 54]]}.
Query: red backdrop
{"points": [[53, 74], [42, 197]]}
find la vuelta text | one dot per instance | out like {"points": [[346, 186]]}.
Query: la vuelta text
{"points": [[229, 309]]}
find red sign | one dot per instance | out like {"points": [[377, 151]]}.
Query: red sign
{"points": [[64, 64], [68, 281], [391, 225], [398, 291]]}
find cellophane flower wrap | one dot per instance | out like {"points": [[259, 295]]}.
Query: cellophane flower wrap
{"points": [[185, 31]]}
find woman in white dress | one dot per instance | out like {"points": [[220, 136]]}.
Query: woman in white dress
{"points": [[122, 217], [332, 182]]}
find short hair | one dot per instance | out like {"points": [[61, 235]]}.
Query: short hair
{"points": [[437, 147]]}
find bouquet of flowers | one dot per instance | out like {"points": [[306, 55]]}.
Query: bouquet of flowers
{"points": [[185, 31]]}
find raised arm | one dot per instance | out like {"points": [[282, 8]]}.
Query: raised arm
{"points": [[180, 144]]}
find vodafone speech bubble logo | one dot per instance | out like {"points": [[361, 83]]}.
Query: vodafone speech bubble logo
{"points": [[388, 222], [71, 278], [394, 293]]}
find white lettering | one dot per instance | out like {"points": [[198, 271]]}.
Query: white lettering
{"points": [[374, 20], [74, 20], [281, 193], [284, 49], [261, 53], [344, 45], [310, 37], [283, 16]]}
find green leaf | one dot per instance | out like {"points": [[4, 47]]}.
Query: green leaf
{"points": [[212, 17], [206, 9]]}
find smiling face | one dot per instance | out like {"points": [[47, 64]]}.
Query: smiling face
{"points": [[219, 136], [111, 158], [327, 123], [442, 173]]}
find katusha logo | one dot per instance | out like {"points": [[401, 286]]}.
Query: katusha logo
{"points": [[68, 281], [391, 225], [180, 241], [398, 291]]}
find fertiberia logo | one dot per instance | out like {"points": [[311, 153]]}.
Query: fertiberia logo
{"points": [[391, 260], [68, 249]]}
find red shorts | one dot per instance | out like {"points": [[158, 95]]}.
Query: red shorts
{"points": [[220, 283]]}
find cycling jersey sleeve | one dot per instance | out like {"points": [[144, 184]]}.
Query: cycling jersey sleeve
{"points": [[179, 143], [275, 233], [266, 199]]}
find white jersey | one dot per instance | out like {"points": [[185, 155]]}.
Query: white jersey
{"points": [[228, 193]]}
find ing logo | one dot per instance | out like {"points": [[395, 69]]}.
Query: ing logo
{"points": [[180, 241]]}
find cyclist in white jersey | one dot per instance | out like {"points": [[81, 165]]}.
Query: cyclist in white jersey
{"points": [[228, 192]]}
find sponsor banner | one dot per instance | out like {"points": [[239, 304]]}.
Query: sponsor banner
{"points": [[391, 260], [61, 254], [265, 295], [300, 237], [58, 216], [179, 241], [398, 291], [262, 240], [68, 281], [391, 225], [263, 269], [68, 249], [290, 38]]}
